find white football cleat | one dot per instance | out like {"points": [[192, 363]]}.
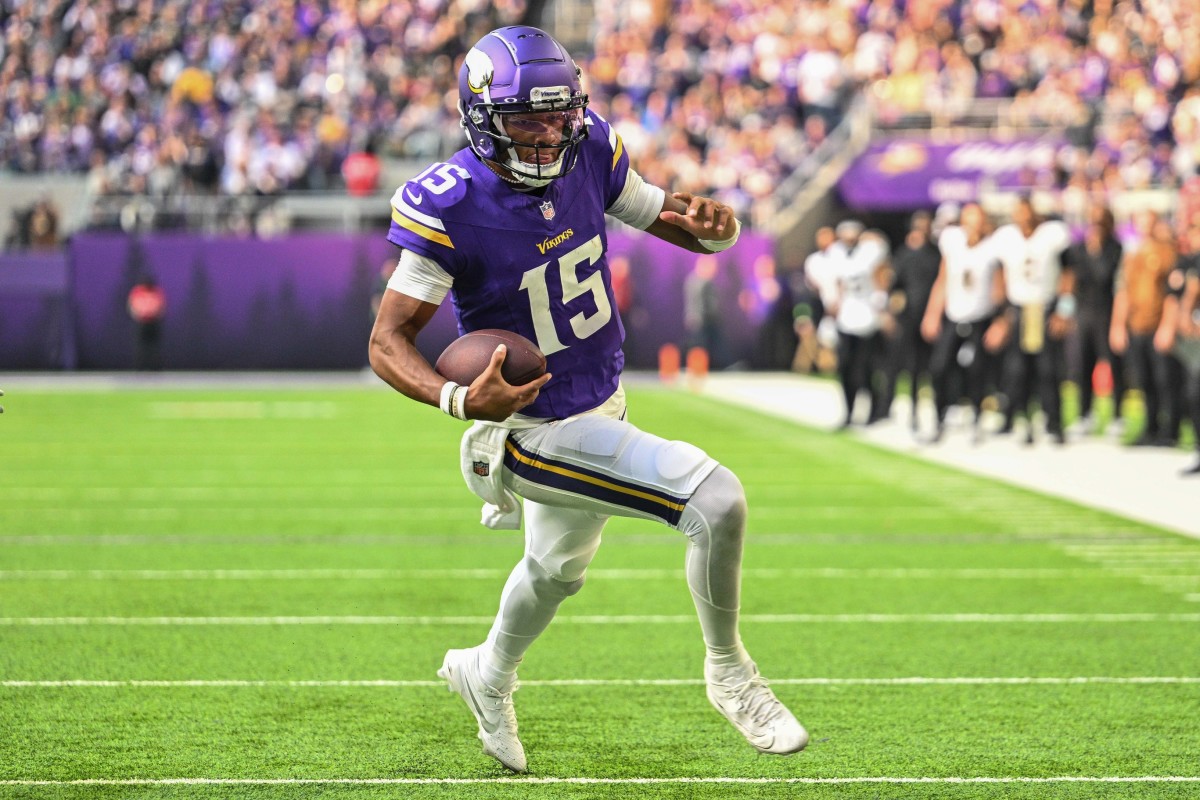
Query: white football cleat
{"points": [[742, 695], [493, 709]]}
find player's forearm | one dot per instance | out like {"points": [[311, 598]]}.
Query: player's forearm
{"points": [[1120, 311], [676, 236], [396, 360], [936, 304]]}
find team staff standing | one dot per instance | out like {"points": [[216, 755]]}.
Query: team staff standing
{"points": [[915, 268], [1137, 315], [1095, 261], [1179, 334]]}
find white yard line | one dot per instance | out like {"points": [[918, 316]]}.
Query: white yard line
{"points": [[646, 574], [1005, 779], [630, 619], [848, 538], [420, 684]]}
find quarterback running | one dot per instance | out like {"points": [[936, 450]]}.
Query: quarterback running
{"points": [[512, 227]]}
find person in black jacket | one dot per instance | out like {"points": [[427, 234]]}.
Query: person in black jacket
{"points": [[1180, 332], [1096, 261], [915, 269]]}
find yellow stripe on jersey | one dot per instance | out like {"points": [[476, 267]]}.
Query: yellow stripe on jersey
{"points": [[421, 230], [579, 476], [620, 148]]}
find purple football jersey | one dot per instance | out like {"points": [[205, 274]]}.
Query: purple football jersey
{"points": [[532, 262]]}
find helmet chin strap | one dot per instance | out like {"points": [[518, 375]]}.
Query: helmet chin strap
{"points": [[520, 176]]}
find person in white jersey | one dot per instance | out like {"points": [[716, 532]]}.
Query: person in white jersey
{"points": [[960, 318], [816, 294], [861, 315], [1039, 287]]}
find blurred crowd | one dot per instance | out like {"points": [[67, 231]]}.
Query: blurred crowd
{"points": [[161, 97], [33, 227], [1005, 314], [721, 96]]}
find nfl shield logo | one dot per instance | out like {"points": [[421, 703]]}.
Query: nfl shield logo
{"points": [[547, 210], [481, 468]]}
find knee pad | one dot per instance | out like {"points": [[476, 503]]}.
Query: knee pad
{"points": [[717, 509], [549, 584]]}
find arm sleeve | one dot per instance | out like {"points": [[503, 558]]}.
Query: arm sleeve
{"points": [[639, 203], [420, 277]]}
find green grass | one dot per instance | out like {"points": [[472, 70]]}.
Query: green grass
{"points": [[119, 493]]}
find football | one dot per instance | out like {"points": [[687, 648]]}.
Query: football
{"points": [[467, 357]]}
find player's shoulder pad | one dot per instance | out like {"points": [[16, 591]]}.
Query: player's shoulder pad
{"points": [[424, 204], [603, 138], [950, 238], [1060, 233]]}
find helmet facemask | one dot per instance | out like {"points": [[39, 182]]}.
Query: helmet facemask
{"points": [[538, 142], [541, 143]]}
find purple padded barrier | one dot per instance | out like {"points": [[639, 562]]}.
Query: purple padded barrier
{"points": [[303, 301]]}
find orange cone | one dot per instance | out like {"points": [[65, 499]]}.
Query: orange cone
{"points": [[668, 363]]}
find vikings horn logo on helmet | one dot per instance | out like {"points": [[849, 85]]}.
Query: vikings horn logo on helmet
{"points": [[480, 70]]}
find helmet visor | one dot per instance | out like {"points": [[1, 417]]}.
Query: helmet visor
{"points": [[545, 128]]}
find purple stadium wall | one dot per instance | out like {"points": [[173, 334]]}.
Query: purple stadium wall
{"points": [[299, 302]]}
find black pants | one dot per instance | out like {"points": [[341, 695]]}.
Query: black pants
{"points": [[1027, 374], [1191, 379], [858, 358], [1159, 376], [960, 365], [1093, 348], [907, 351], [148, 356]]}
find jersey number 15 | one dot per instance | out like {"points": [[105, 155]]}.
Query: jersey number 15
{"points": [[534, 282]]}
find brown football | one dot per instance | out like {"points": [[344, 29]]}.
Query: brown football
{"points": [[467, 357]]}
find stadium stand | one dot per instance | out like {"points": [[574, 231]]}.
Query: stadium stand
{"points": [[163, 98]]}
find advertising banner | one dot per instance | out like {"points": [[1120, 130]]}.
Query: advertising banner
{"points": [[907, 174]]}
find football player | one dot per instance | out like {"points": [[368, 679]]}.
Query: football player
{"points": [[513, 228], [863, 274], [964, 302], [1040, 288]]}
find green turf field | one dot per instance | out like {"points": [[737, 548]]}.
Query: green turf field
{"points": [[260, 585]]}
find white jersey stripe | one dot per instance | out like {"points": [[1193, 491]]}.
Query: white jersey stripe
{"points": [[404, 208]]}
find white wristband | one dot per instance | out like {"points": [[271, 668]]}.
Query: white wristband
{"points": [[1065, 307], [714, 246], [458, 402], [447, 390]]}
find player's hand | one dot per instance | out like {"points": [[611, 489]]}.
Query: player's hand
{"points": [[1059, 326], [996, 336], [703, 218], [931, 328], [1164, 339], [1118, 340], [492, 398], [887, 324]]}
